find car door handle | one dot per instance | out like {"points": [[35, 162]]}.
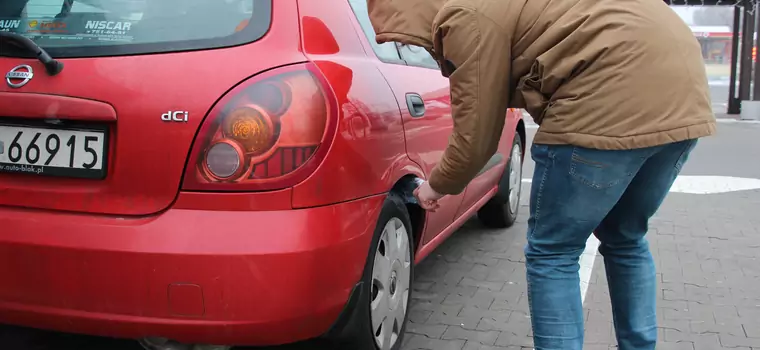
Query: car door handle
{"points": [[416, 105]]}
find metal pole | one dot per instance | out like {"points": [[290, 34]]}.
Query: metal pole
{"points": [[745, 71], [733, 102], [756, 88]]}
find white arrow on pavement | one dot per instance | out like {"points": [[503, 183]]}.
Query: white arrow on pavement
{"points": [[694, 184]]}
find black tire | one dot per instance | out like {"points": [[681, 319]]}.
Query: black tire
{"points": [[497, 212], [360, 333]]}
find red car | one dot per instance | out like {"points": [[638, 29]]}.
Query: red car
{"points": [[232, 172]]}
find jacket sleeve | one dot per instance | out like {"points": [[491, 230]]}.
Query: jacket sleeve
{"points": [[475, 53]]}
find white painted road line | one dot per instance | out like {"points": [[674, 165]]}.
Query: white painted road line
{"points": [[588, 257], [530, 125], [684, 184], [736, 121], [713, 184], [586, 262]]}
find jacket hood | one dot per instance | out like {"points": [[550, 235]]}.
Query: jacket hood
{"points": [[405, 21]]}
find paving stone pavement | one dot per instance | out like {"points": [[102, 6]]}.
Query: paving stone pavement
{"points": [[470, 294]]}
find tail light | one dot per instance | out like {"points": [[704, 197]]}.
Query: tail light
{"points": [[268, 133]]}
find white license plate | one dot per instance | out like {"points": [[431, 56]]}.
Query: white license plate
{"points": [[53, 151]]}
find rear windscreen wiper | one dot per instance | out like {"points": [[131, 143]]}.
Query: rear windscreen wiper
{"points": [[52, 66]]}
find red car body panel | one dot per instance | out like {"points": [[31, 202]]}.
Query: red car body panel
{"points": [[368, 153], [134, 255], [220, 277]]}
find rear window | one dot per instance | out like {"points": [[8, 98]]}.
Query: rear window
{"points": [[86, 28]]}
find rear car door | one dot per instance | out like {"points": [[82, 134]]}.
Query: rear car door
{"points": [[423, 97], [438, 118], [427, 120]]}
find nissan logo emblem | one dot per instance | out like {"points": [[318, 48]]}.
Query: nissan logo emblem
{"points": [[19, 76]]}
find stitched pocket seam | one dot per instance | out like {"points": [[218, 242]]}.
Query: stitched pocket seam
{"points": [[544, 175], [681, 161], [575, 159]]}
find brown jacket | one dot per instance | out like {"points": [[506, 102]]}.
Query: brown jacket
{"points": [[604, 74]]}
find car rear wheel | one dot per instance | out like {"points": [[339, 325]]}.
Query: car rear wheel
{"points": [[379, 320], [501, 210]]}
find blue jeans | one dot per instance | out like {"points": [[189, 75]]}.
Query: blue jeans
{"points": [[577, 191]]}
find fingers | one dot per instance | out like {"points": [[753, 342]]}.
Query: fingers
{"points": [[425, 202], [430, 205], [416, 194]]}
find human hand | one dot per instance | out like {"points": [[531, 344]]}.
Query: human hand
{"points": [[427, 197]]}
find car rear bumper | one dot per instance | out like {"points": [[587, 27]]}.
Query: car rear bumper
{"points": [[214, 277]]}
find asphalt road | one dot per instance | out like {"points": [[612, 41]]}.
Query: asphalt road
{"points": [[719, 96], [470, 293]]}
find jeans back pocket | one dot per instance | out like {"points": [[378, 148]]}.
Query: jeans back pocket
{"points": [[602, 169]]}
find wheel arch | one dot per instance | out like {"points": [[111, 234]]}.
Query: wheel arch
{"points": [[522, 132], [404, 188], [343, 331]]}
